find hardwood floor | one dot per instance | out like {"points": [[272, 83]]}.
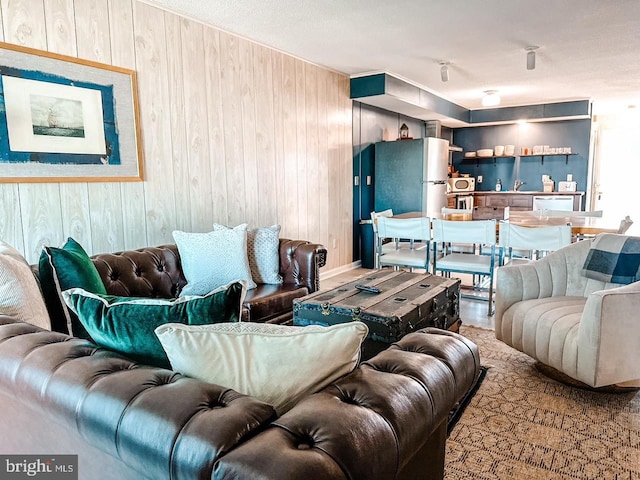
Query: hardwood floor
{"points": [[472, 312]]}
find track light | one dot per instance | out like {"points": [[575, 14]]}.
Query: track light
{"points": [[491, 98], [531, 57], [444, 71]]}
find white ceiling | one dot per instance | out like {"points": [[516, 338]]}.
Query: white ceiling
{"points": [[588, 48]]}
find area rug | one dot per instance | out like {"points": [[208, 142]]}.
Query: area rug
{"points": [[523, 425], [458, 410]]}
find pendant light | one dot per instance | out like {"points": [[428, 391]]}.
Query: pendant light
{"points": [[531, 57], [491, 98], [444, 71]]}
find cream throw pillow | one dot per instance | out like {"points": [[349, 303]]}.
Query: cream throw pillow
{"points": [[211, 260], [20, 296], [263, 252], [277, 364]]}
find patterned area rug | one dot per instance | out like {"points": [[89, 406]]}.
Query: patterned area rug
{"points": [[523, 425]]}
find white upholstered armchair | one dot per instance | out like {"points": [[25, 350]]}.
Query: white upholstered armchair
{"points": [[587, 329]]}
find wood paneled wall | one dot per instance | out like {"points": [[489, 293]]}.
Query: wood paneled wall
{"points": [[232, 132]]}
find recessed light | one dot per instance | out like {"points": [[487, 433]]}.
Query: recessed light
{"points": [[491, 98]]}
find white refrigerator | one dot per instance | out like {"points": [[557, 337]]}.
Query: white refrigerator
{"points": [[411, 175]]}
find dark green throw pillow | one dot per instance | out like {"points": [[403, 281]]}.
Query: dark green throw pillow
{"points": [[60, 269], [127, 324]]}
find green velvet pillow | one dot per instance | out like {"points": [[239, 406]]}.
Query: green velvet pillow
{"points": [[61, 269], [127, 324]]}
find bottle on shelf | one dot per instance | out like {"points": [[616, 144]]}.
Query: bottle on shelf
{"points": [[498, 185]]}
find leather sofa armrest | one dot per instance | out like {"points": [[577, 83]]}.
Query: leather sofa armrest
{"points": [[300, 263]]}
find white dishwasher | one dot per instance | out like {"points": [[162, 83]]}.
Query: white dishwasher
{"points": [[553, 202]]}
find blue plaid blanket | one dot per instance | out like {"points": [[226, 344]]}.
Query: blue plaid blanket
{"points": [[613, 258]]}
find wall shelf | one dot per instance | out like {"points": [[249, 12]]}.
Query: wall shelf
{"points": [[477, 159], [542, 155]]}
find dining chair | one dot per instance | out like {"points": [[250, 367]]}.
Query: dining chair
{"points": [[465, 202], [386, 246], [459, 214], [530, 243], [414, 252], [481, 233], [453, 212], [625, 223]]}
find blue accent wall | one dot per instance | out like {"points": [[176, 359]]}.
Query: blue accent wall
{"points": [[575, 109], [369, 124], [404, 94], [367, 86], [570, 133]]}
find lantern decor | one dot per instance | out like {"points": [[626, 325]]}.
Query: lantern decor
{"points": [[404, 132]]}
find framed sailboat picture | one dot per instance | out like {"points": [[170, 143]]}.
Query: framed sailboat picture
{"points": [[64, 119]]}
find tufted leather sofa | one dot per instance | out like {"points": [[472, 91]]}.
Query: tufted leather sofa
{"points": [[385, 420], [156, 272]]}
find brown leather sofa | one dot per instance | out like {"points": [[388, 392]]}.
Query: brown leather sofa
{"points": [[385, 420], [156, 272]]}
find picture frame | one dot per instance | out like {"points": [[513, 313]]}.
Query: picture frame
{"points": [[65, 119]]}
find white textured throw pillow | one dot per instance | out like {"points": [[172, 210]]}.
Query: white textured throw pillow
{"points": [[20, 296], [211, 260], [277, 364], [263, 252]]}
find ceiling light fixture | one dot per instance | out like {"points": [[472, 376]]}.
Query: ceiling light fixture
{"points": [[491, 98], [531, 57], [444, 71]]}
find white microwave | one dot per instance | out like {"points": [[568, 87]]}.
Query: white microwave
{"points": [[462, 184]]}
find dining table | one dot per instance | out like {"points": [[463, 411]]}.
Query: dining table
{"points": [[580, 225]]}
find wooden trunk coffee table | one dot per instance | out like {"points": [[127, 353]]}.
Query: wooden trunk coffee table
{"points": [[406, 302]]}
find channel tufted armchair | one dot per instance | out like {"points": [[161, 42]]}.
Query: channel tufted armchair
{"points": [[587, 329]]}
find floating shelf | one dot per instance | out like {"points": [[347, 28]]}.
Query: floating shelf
{"points": [[542, 155], [477, 159]]}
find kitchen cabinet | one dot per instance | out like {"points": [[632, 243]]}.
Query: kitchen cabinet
{"points": [[515, 201]]}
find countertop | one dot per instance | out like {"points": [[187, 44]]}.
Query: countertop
{"points": [[513, 192]]}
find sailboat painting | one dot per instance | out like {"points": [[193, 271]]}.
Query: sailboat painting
{"points": [[66, 119], [57, 117], [49, 121]]}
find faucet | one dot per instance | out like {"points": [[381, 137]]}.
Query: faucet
{"points": [[517, 185]]}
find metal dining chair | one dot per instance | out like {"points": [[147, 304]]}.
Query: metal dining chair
{"points": [[530, 243], [481, 233], [386, 246], [414, 251]]}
